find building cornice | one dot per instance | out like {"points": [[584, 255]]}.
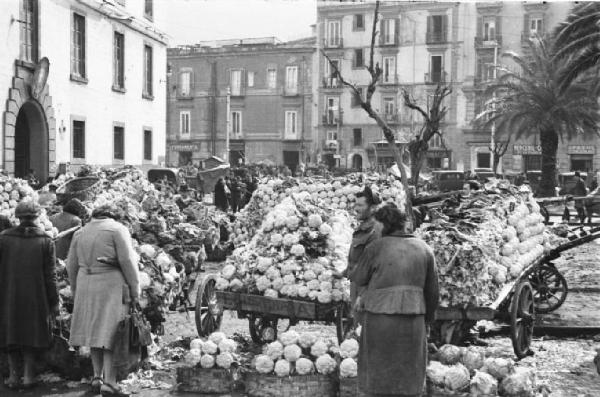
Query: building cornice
{"points": [[175, 53]]}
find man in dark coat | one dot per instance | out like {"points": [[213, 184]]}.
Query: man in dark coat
{"points": [[221, 195], [28, 293], [579, 190], [235, 194]]}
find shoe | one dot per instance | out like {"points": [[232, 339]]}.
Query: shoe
{"points": [[109, 390], [96, 384]]}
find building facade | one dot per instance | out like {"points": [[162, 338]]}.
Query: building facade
{"points": [[84, 84], [257, 90], [419, 45]]}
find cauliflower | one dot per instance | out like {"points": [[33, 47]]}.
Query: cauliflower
{"points": [[164, 261], [292, 222], [274, 350], [520, 383], [436, 372], [264, 364], [307, 339], [289, 338], [209, 347], [499, 368], [207, 361], [193, 357], [309, 275], [472, 359], [224, 360], [282, 368], [221, 284], [449, 354], [325, 364], [263, 283], [217, 337], [302, 291], [483, 384], [227, 345], [196, 344], [292, 353], [297, 250], [228, 272], [271, 293], [273, 273], [457, 377], [324, 297], [314, 221], [276, 240], [304, 366], [145, 280], [349, 348], [313, 285], [319, 348], [148, 251], [337, 295], [325, 229], [348, 368], [263, 264], [326, 286], [290, 239], [236, 285], [277, 284], [289, 279]]}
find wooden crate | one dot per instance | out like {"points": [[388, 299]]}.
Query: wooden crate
{"points": [[260, 385], [349, 388], [202, 380]]}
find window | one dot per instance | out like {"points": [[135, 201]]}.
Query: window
{"points": [[389, 106], [334, 34], [78, 46], [250, 79], [582, 162], [356, 99], [291, 124], [489, 29], [359, 22], [118, 143], [535, 26], [78, 139], [185, 83], [236, 123], [484, 160], [147, 71], [388, 27], [434, 163], [436, 70], [148, 9], [389, 69], [148, 145], [119, 61], [272, 78], [332, 135], [357, 136], [436, 141], [532, 162], [332, 110], [436, 29], [358, 58], [28, 28], [184, 124], [291, 77], [236, 82]]}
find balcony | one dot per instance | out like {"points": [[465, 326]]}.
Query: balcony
{"points": [[330, 144], [331, 118], [390, 79], [435, 77], [436, 38], [391, 118], [238, 91], [488, 42], [333, 42], [331, 82]]}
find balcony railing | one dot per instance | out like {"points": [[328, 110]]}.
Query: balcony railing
{"points": [[331, 118], [435, 77], [436, 38], [333, 42], [488, 42], [331, 82]]}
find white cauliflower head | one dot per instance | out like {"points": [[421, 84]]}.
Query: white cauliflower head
{"points": [[217, 337], [209, 347], [319, 348], [264, 364], [348, 368], [282, 368], [196, 344], [304, 366], [207, 361], [271, 293], [297, 250], [349, 348], [228, 272], [224, 360], [436, 372], [457, 377], [314, 221], [449, 354], [193, 357], [325, 364], [289, 337], [227, 345], [274, 350], [292, 352], [307, 339]]}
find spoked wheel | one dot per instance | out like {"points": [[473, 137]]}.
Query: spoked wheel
{"points": [[522, 318], [549, 288], [262, 329], [208, 311], [343, 321]]}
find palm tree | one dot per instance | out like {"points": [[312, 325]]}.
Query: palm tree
{"points": [[546, 98]]}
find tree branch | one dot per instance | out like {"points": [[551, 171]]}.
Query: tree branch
{"points": [[410, 103], [339, 76]]}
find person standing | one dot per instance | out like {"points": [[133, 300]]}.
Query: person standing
{"points": [[221, 195], [235, 194], [72, 215], [579, 190], [104, 277], [400, 300], [28, 293]]}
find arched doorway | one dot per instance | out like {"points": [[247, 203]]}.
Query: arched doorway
{"points": [[31, 141], [357, 162]]}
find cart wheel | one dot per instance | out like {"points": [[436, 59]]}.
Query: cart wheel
{"points": [[343, 321], [522, 316], [262, 329], [208, 311], [549, 288]]}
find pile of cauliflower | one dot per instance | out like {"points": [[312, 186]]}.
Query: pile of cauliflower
{"points": [[457, 369], [15, 190], [217, 351], [306, 354], [293, 254]]}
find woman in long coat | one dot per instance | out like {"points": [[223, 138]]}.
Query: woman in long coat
{"points": [[401, 297], [28, 295], [104, 277]]}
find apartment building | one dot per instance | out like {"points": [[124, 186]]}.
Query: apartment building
{"points": [[263, 85]]}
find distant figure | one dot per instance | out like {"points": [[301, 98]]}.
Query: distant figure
{"points": [[579, 190], [221, 195], [71, 216], [520, 179], [594, 184]]}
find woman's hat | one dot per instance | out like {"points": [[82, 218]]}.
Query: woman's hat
{"points": [[27, 208]]}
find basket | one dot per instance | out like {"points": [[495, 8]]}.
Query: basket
{"points": [[349, 387], [436, 391], [84, 189], [204, 380], [259, 385]]}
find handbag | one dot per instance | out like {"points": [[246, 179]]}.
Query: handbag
{"points": [[126, 358], [139, 335]]}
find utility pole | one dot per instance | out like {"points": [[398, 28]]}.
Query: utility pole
{"points": [[228, 129]]}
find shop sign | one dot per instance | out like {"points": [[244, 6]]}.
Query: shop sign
{"points": [[527, 149], [581, 149], [184, 147]]}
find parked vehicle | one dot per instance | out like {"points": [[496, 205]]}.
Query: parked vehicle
{"points": [[448, 180], [484, 173]]}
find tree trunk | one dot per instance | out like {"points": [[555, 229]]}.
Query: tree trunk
{"points": [[549, 143], [496, 163]]}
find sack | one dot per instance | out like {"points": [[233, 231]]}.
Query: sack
{"points": [[126, 358], [139, 335]]}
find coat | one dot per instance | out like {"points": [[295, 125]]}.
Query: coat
{"points": [[102, 291], [401, 297], [64, 221], [28, 288], [221, 195]]}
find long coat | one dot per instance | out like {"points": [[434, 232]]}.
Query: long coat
{"points": [[221, 195], [401, 296], [102, 291], [64, 221], [27, 287]]}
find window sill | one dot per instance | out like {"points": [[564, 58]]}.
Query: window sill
{"points": [[119, 161], [358, 29], [148, 96], [25, 64], [78, 79], [118, 89], [77, 161], [184, 97]]}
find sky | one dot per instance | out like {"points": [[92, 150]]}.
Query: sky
{"points": [[191, 21]]}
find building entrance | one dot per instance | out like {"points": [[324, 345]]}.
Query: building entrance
{"points": [[31, 142]]}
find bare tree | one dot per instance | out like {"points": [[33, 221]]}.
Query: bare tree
{"points": [[375, 73], [499, 150], [433, 115]]}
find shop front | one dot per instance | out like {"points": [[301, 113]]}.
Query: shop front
{"points": [[292, 154], [183, 153], [383, 156], [438, 159], [581, 157], [527, 157], [237, 152]]}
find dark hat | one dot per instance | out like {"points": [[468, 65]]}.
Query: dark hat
{"points": [[27, 208]]}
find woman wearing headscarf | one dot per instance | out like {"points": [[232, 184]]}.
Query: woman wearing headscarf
{"points": [[28, 293], [103, 272], [70, 217], [400, 300]]}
